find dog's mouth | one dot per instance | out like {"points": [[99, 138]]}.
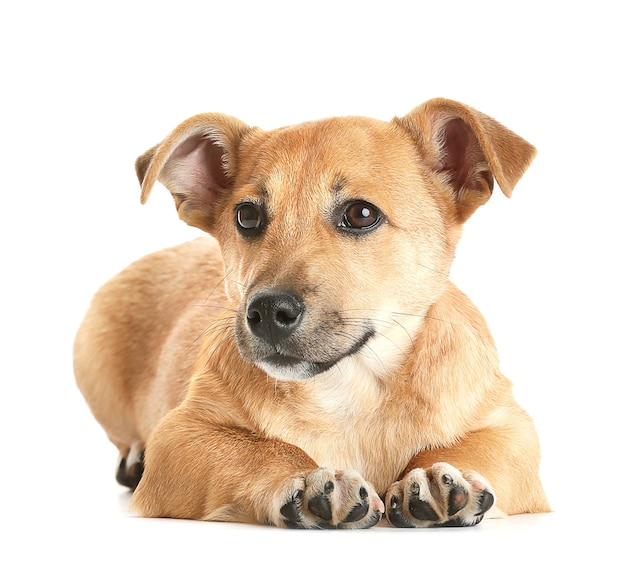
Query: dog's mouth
{"points": [[286, 366]]}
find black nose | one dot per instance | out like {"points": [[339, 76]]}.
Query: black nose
{"points": [[274, 314]]}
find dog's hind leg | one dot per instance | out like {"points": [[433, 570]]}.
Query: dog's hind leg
{"points": [[130, 467]]}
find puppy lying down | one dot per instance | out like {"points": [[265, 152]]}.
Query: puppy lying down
{"points": [[309, 363]]}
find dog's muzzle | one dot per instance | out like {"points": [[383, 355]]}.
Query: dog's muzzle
{"points": [[276, 333]]}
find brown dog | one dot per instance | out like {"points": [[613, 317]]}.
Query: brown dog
{"points": [[316, 356]]}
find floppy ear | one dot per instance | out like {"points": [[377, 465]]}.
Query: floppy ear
{"points": [[469, 149], [197, 162]]}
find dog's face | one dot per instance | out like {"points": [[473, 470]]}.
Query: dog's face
{"points": [[337, 235], [333, 246]]}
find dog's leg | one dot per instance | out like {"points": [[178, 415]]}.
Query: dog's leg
{"points": [[456, 486], [196, 470]]}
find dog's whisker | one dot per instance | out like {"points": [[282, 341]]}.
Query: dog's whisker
{"points": [[355, 339], [384, 323], [219, 321], [217, 285], [213, 307], [233, 281], [223, 324], [447, 275], [424, 316], [427, 316], [217, 346]]}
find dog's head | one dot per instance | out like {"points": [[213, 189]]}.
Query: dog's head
{"points": [[337, 235]]}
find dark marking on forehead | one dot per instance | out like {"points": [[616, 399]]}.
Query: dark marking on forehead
{"points": [[263, 191], [339, 184]]}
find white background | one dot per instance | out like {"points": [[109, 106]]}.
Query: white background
{"points": [[88, 86]]}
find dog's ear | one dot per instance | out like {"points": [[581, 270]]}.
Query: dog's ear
{"points": [[197, 163], [469, 149]]}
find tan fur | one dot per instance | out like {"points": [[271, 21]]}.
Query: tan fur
{"points": [[165, 360]]}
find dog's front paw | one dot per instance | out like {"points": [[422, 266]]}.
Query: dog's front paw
{"points": [[440, 496], [329, 499]]}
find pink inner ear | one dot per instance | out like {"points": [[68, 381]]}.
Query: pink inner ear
{"points": [[195, 172], [455, 143], [462, 158]]}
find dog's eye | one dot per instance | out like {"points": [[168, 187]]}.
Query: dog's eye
{"points": [[360, 216], [250, 219]]}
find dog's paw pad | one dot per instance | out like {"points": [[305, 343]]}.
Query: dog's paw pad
{"points": [[439, 496], [320, 504], [332, 500]]}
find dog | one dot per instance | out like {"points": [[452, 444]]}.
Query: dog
{"points": [[308, 363]]}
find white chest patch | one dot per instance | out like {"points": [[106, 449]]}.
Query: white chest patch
{"points": [[338, 417]]}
